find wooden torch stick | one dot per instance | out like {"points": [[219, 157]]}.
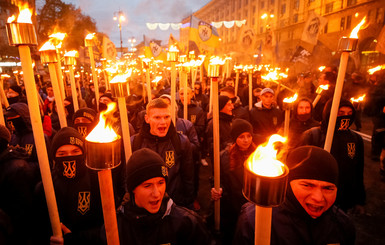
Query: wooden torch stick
{"points": [[262, 225], [73, 88], [287, 122], [108, 205], [148, 83], [94, 76], [336, 101], [173, 92], [250, 90], [3, 96], [125, 127], [317, 98], [185, 93], [38, 134], [236, 83], [217, 180], [59, 74], [57, 94]]}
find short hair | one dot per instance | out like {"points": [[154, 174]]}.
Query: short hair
{"points": [[228, 89], [156, 103]]}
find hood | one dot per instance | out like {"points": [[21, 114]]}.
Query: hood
{"points": [[23, 111], [297, 103], [327, 109]]}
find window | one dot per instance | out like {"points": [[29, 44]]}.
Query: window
{"points": [[296, 4], [342, 24], [271, 2], [351, 2], [254, 9], [348, 22], [253, 22], [240, 4], [326, 28], [295, 18], [262, 5], [283, 9], [261, 29], [329, 8], [246, 2]]}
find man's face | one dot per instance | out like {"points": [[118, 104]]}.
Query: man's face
{"points": [[181, 95], [267, 99], [68, 150], [315, 196], [105, 100], [228, 108], [345, 111], [303, 108], [230, 83], [149, 194], [196, 88], [244, 141], [159, 120], [82, 120], [50, 91]]}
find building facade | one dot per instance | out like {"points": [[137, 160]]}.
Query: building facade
{"points": [[277, 27]]}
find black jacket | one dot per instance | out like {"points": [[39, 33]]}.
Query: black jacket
{"points": [[196, 115], [224, 132], [176, 151]]}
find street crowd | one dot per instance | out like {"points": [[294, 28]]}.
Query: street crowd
{"points": [[160, 192]]}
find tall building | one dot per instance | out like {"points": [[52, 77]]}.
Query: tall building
{"points": [[277, 27]]}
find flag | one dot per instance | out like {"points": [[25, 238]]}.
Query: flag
{"points": [[153, 50], [247, 39], [300, 55], [204, 35], [313, 26], [381, 41], [108, 50]]}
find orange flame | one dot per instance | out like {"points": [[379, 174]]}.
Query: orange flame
{"points": [[25, 15], [377, 68], [90, 36], [324, 87], [239, 67], [72, 53], [121, 78], [321, 68], [103, 133], [173, 49], [263, 161], [354, 33], [215, 60], [359, 99], [291, 99], [47, 46], [58, 35]]}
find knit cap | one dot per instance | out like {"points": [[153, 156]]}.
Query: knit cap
{"points": [[88, 113], [67, 136], [222, 101], [144, 164], [266, 90], [240, 126], [311, 162], [16, 88]]}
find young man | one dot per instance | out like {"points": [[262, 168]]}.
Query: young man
{"points": [[307, 215], [159, 134], [84, 120], [265, 117], [150, 216]]}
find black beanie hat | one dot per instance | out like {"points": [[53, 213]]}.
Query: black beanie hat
{"points": [[144, 164], [88, 113], [222, 101], [67, 136], [240, 126], [16, 88], [311, 162], [108, 95]]}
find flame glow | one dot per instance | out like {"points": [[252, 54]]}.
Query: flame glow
{"points": [[72, 53], [103, 133], [354, 33], [263, 161], [324, 87], [47, 46], [377, 68], [215, 60], [359, 99], [58, 35], [291, 99], [173, 49], [25, 15], [321, 68], [121, 78], [157, 79], [238, 68], [90, 36]]}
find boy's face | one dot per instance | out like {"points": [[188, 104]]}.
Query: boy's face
{"points": [[159, 120], [149, 194]]}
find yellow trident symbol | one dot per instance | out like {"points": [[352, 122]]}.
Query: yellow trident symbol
{"points": [[69, 169]]}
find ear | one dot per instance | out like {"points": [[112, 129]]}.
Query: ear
{"points": [[146, 118]]}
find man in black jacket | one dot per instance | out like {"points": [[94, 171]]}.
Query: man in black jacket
{"points": [[159, 135]]}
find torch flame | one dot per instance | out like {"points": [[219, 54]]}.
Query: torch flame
{"points": [[103, 133], [263, 161], [321, 68], [291, 99], [173, 49], [72, 53], [377, 68], [25, 15], [157, 79], [354, 33], [5, 75], [121, 78], [58, 35], [90, 36], [215, 60], [239, 67], [359, 99], [324, 87], [48, 46], [11, 19]]}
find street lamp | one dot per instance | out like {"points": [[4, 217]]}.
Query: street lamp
{"points": [[120, 17]]}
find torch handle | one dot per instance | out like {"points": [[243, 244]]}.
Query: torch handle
{"points": [[250, 91], [94, 76], [125, 127], [59, 74], [173, 92], [262, 225], [57, 94], [287, 123], [80, 89], [236, 83], [38, 134], [2, 121], [317, 98], [216, 136], [148, 82], [73, 88], [3, 96], [185, 93], [336, 101], [108, 205]]}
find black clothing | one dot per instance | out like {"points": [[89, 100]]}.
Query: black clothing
{"points": [[224, 132]]}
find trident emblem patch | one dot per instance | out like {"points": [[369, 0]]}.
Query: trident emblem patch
{"points": [[164, 171], [170, 159], [344, 124], [82, 130], [69, 169], [84, 202], [275, 121], [351, 150], [193, 118], [28, 148]]}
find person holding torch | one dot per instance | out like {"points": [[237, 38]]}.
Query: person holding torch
{"points": [[307, 215]]}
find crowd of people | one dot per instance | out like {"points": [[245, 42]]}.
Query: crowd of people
{"points": [[158, 191]]}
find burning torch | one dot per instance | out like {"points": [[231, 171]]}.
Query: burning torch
{"points": [[288, 104], [48, 56], [250, 70], [238, 70], [89, 42], [264, 183], [172, 57], [213, 73], [103, 154], [319, 92], [70, 61], [21, 33], [345, 45], [57, 39]]}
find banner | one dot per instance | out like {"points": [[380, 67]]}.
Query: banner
{"points": [[109, 50], [204, 35], [247, 39], [173, 41], [301, 55], [153, 50], [313, 26]]}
